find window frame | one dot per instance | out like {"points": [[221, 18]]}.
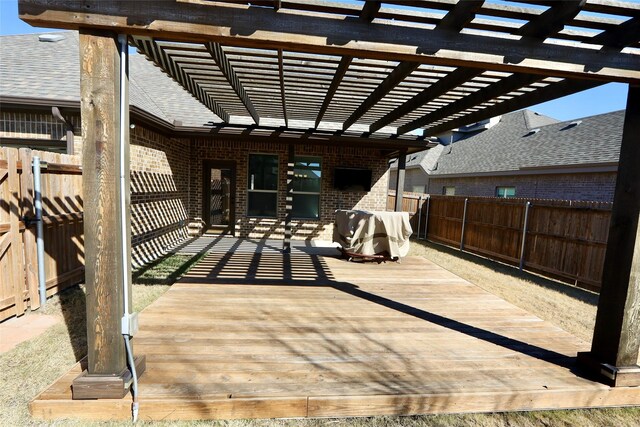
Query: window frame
{"points": [[444, 190], [249, 190], [505, 188], [308, 193]]}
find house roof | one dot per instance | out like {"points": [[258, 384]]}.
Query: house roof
{"points": [[525, 141], [30, 68]]}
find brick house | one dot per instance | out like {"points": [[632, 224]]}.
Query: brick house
{"points": [[167, 187], [522, 154]]}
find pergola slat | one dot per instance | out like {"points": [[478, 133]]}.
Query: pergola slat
{"points": [[217, 53], [335, 83]]}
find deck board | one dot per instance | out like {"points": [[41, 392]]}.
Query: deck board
{"points": [[263, 335]]}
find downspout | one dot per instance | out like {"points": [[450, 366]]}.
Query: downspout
{"points": [[129, 322], [68, 128], [37, 188]]}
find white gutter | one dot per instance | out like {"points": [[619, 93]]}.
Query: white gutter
{"points": [[129, 321]]}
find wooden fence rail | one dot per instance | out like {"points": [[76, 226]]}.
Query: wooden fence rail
{"points": [[563, 239], [63, 228]]}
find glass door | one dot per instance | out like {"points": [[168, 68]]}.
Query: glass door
{"points": [[219, 197]]}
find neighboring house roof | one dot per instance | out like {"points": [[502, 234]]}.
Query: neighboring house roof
{"points": [[524, 142], [30, 68]]}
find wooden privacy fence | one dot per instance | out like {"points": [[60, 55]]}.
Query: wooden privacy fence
{"points": [[61, 189], [566, 240]]}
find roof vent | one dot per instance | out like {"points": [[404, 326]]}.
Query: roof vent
{"points": [[533, 132], [572, 125], [50, 38]]}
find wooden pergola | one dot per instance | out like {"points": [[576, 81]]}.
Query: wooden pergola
{"points": [[376, 71]]}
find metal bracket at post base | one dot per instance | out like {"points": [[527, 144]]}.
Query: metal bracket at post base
{"points": [[614, 376], [87, 386]]}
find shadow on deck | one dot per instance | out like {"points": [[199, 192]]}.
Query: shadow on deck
{"points": [[264, 334]]}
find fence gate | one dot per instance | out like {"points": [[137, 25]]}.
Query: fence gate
{"points": [[13, 291], [63, 228]]}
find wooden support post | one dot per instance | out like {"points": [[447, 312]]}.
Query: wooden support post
{"points": [[616, 339], [402, 164], [107, 375], [286, 245]]}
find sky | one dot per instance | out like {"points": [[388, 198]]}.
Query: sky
{"points": [[603, 99]]}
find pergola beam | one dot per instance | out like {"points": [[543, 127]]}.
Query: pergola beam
{"points": [[623, 35], [439, 88], [552, 20], [501, 87], [369, 10], [388, 84], [158, 56], [455, 20], [461, 14], [343, 66], [545, 25], [283, 95], [242, 25], [218, 55], [552, 91]]}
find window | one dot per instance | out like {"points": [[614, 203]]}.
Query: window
{"points": [[262, 197], [449, 191], [505, 191], [307, 174]]}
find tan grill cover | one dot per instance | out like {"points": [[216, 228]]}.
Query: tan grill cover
{"points": [[373, 233]]}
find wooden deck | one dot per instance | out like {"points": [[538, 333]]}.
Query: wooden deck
{"points": [[261, 335]]}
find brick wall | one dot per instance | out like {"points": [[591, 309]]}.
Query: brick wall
{"points": [[597, 187], [159, 193], [166, 182], [330, 199]]}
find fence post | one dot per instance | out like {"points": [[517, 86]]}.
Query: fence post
{"points": [[419, 213], [426, 218], [464, 220], [524, 233]]}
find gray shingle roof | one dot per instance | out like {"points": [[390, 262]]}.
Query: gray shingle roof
{"points": [[513, 144], [30, 68]]}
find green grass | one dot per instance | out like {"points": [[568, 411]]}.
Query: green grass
{"points": [[166, 270], [33, 365]]}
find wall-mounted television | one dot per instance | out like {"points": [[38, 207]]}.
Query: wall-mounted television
{"points": [[352, 179]]}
